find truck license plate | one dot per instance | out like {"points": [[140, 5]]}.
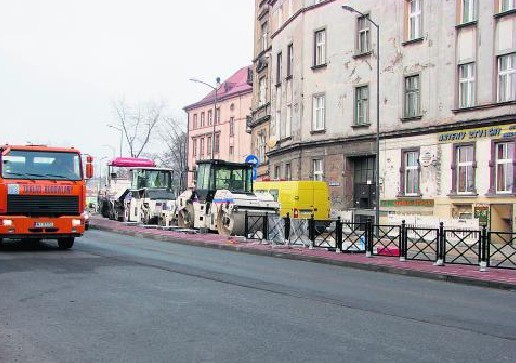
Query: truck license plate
{"points": [[44, 224]]}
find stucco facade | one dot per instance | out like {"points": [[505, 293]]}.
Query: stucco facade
{"points": [[445, 58], [232, 142]]}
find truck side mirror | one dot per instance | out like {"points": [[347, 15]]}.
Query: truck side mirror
{"points": [[89, 167]]}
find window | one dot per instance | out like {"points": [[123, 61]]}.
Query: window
{"points": [[278, 69], [506, 5], [231, 151], [195, 121], [202, 119], [318, 112], [277, 169], [504, 153], [280, 17], [209, 117], [262, 91], [507, 77], [411, 172], [320, 47], [288, 172], [469, 10], [262, 147], [232, 126], [466, 85], [415, 30], [194, 147], [217, 143], [290, 60], [288, 121], [362, 105], [364, 35], [217, 116], [412, 96], [209, 144], [290, 9], [265, 34], [465, 174], [317, 168], [202, 147]]}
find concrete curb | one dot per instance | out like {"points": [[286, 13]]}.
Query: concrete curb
{"points": [[285, 255]]}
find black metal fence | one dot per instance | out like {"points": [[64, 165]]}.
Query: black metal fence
{"points": [[439, 245]]}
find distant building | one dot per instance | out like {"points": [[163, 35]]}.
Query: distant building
{"points": [[232, 142], [447, 104]]}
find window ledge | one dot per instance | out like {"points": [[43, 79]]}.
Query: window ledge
{"points": [[322, 131], [467, 24], [413, 41], [484, 106], [504, 13], [358, 54], [261, 107], [277, 85], [411, 118], [465, 195], [288, 77], [500, 195], [405, 196], [285, 139], [361, 126], [319, 66]]}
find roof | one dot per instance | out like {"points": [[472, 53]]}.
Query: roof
{"points": [[38, 148], [231, 87]]}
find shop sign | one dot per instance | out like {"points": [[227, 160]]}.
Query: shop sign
{"points": [[495, 132], [482, 213], [407, 202]]}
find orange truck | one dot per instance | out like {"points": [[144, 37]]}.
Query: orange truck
{"points": [[42, 193]]}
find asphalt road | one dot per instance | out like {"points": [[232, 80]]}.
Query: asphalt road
{"points": [[116, 298]]}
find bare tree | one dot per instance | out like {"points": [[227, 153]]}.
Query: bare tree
{"points": [[138, 123]]}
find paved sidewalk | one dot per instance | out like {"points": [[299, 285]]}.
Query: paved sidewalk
{"points": [[464, 274]]}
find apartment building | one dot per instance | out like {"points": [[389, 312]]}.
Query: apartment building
{"points": [[447, 104], [260, 113], [227, 122]]}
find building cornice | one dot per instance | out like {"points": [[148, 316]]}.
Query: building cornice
{"points": [[211, 101]]}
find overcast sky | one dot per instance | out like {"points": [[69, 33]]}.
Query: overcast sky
{"points": [[63, 62]]}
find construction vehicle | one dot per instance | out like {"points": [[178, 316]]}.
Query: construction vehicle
{"points": [[42, 193], [222, 195], [136, 191], [151, 193], [299, 198]]}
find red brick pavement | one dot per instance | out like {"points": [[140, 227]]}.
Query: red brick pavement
{"points": [[468, 274]]}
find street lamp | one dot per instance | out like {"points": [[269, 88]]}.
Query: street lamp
{"points": [[216, 88], [112, 149], [121, 135], [377, 167]]}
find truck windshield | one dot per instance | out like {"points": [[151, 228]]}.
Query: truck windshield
{"points": [[224, 177], [36, 165], [153, 179]]}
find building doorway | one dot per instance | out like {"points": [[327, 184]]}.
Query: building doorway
{"points": [[364, 180]]}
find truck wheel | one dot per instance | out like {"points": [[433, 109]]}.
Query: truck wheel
{"points": [[65, 243]]}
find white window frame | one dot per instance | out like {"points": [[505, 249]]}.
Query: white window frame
{"points": [[202, 119], [415, 29], [409, 168], [280, 17], [202, 147], [290, 60], [232, 126], [361, 109], [261, 147], [288, 121], [507, 5], [210, 117], [467, 165], [209, 144], [320, 47], [466, 85], [319, 112], [288, 171], [363, 34], [507, 162], [317, 169], [279, 67], [506, 78], [468, 11], [265, 35], [412, 95], [194, 147], [262, 91]]}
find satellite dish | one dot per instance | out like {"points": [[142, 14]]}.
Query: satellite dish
{"points": [[272, 141]]}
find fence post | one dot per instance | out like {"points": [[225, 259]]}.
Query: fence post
{"points": [[311, 231], [488, 248], [483, 249], [403, 241], [369, 238], [246, 226], [441, 245], [338, 235], [265, 227], [287, 229]]}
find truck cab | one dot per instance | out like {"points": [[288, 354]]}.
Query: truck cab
{"points": [[42, 193]]}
